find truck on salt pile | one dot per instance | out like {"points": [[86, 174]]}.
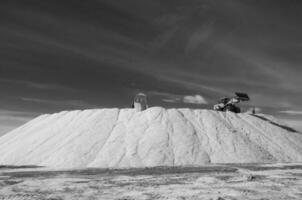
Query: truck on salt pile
{"points": [[229, 104]]}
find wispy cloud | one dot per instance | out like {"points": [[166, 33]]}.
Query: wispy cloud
{"points": [[42, 86], [294, 123], [177, 98], [199, 37], [256, 109], [5, 129], [14, 113], [196, 99], [190, 84], [291, 112], [171, 100], [10, 119], [269, 69], [7, 116], [73, 103]]}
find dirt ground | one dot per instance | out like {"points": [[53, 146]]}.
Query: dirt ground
{"points": [[216, 182]]}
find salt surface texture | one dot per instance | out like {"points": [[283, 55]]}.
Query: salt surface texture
{"points": [[155, 137]]}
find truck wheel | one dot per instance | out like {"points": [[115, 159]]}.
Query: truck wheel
{"points": [[232, 108]]}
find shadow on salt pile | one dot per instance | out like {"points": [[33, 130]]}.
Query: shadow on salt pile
{"points": [[263, 166], [225, 168], [19, 166], [279, 125], [129, 172]]}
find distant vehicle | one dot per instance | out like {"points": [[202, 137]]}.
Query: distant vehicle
{"points": [[229, 104]]}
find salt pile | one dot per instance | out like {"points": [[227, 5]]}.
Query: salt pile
{"points": [[154, 137]]}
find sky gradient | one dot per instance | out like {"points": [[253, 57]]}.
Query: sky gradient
{"points": [[62, 55]]}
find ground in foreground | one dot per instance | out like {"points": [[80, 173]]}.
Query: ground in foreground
{"points": [[219, 182]]}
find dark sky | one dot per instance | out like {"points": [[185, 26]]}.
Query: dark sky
{"points": [[60, 55]]}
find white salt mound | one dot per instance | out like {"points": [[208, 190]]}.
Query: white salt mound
{"points": [[155, 137]]}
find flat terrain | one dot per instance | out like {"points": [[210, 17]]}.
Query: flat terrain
{"points": [[216, 182]]}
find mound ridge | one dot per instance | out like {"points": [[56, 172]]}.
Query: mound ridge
{"points": [[155, 137]]}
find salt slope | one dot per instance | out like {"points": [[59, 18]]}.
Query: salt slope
{"points": [[154, 137]]}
